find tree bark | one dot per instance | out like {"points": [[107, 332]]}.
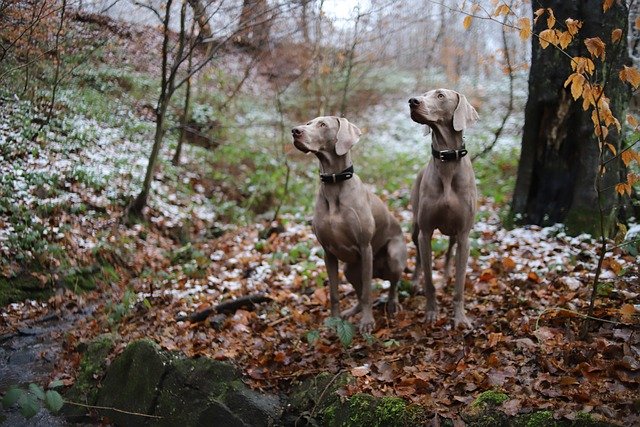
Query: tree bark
{"points": [[255, 23], [560, 153], [200, 15]]}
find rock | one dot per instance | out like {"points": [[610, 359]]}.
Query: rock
{"points": [[176, 390], [132, 383]]}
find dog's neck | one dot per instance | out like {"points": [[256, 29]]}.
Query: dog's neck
{"points": [[330, 162], [444, 137]]}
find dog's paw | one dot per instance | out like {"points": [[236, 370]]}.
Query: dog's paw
{"points": [[393, 307], [367, 326], [430, 316], [461, 319]]}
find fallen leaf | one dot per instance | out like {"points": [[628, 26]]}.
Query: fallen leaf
{"points": [[360, 371]]}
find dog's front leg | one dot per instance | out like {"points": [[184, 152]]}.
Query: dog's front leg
{"points": [[424, 240], [462, 256], [367, 323], [331, 261]]}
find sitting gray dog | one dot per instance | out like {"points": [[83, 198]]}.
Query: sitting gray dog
{"points": [[351, 223]]}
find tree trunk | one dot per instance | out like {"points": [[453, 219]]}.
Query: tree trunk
{"points": [[141, 200], [183, 123], [201, 16], [560, 153], [255, 23]]}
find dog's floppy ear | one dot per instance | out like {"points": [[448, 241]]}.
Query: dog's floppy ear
{"points": [[348, 135], [464, 115]]}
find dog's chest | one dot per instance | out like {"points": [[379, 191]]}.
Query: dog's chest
{"points": [[337, 236]]}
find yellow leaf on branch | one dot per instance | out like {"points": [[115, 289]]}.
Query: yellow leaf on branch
{"points": [[627, 157], [616, 35], [630, 75], [564, 38], [539, 12], [580, 64], [587, 97], [466, 23], [573, 25], [612, 148], [606, 5], [502, 9], [623, 188], [632, 178], [525, 28], [548, 37], [596, 47], [577, 82], [637, 23], [551, 19], [632, 121]]}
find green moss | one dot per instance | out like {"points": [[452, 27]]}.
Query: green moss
{"points": [[366, 410], [490, 397], [483, 411], [390, 409], [317, 392], [92, 367], [536, 419], [328, 414], [360, 411], [22, 287]]}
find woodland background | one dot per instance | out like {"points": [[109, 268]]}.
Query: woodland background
{"points": [[147, 175]]}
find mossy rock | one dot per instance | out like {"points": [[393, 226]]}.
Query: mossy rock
{"points": [[366, 410], [316, 393], [315, 401], [132, 383], [483, 411], [22, 287], [536, 419], [180, 391], [208, 392], [92, 367]]}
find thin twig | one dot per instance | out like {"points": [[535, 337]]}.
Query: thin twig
{"points": [[324, 392], [122, 411], [584, 316]]}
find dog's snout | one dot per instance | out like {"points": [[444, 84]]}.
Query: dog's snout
{"points": [[296, 131], [413, 102]]}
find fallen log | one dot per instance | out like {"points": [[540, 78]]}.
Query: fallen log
{"points": [[225, 307]]}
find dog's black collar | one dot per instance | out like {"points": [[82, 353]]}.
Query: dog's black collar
{"points": [[332, 178], [448, 155]]}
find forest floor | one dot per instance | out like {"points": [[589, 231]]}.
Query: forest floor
{"points": [[64, 236], [524, 291]]}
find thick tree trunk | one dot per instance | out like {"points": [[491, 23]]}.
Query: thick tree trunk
{"points": [[560, 154]]}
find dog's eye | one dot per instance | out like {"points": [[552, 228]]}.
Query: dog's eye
{"points": [[441, 96]]}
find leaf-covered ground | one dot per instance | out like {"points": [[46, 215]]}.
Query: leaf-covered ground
{"points": [[524, 288], [62, 197]]}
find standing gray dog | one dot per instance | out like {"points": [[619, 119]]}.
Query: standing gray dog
{"points": [[444, 195], [351, 223]]}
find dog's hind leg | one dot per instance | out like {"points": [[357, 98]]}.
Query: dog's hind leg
{"points": [[415, 280]]}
